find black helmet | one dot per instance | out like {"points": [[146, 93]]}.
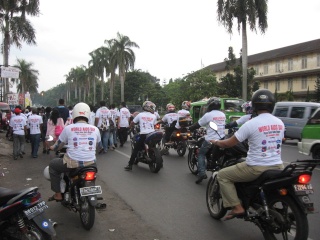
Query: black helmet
{"points": [[213, 104], [263, 99]]}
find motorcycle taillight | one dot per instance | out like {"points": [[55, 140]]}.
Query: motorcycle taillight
{"points": [[304, 178], [89, 176], [31, 199]]}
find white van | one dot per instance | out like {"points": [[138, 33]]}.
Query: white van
{"points": [[294, 116]]}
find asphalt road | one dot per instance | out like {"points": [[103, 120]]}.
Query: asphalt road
{"points": [[143, 205]]}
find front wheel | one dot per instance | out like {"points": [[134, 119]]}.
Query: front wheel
{"points": [[181, 148], [214, 199], [156, 160], [288, 220], [316, 152], [192, 161], [87, 213]]}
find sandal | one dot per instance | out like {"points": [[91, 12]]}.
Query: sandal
{"points": [[232, 215], [52, 198]]}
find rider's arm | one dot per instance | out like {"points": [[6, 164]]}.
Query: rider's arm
{"points": [[232, 124], [57, 146], [230, 142]]}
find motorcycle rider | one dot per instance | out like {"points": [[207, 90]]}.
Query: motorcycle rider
{"points": [[213, 114], [170, 118], [264, 134], [77, 155], [247, 107], [146, 120]]}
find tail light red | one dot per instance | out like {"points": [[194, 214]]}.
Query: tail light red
{"points": [[304, 179], [89, 176]]}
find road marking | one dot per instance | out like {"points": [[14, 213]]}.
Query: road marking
{"points": [[126, 155]]}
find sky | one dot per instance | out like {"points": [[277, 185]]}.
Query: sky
{"points": [[175, 37]]}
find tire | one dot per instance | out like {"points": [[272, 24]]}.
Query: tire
{"points": [[87, 213], [181, 148], [157, 161], [316, 152], [192, 162], [164, 149], [214, 199], [295, 219]]}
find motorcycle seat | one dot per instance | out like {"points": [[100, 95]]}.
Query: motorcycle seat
{"points": [[6, 194], [77, 171], [265, 176]]}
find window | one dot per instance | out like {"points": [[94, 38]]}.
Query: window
{"points": [[304, 82], [297, 112], [278, 85], [256, 68], [289, 84], [315, 119], [290, 64], [304, 64], [281, 112], [318, 60], [277, 66], [265, 69], [265, 85]]}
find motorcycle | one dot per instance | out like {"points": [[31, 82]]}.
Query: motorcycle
{"points": [[150, 154], [79, 191], [277, 202], [179, 137], [22, 215], [212, 157]]}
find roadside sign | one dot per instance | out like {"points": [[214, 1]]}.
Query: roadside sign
{"points": [[9, 72], [13, 98]]}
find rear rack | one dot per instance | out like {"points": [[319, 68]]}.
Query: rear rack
{"points": [[301, 165]]}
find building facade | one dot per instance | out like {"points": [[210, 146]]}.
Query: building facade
{"points": [[293, 68]]}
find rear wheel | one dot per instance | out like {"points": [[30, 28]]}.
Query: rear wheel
{"points": [[156, 160], [181, 148], [214, 199], [87, 213], [192, 161], [288, 220]]}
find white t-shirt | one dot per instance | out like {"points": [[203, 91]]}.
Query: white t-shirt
{"points": [[264, 134], [218, 118], [243, 119], [181, 114], [170, 117], [34, 122], [113, 114], [103, 114], [146, 120], [81, 139], [17, 123], [92, 118], [124, 116]]}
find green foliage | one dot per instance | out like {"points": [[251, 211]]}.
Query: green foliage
{"points": [[317, 89]]}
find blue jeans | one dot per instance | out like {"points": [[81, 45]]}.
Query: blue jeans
{"points": [[18, 144], [202, 157], [35, 143], [106, 138]]}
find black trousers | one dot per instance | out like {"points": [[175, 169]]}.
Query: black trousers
{"points": [[137, 147], [123, 134]]}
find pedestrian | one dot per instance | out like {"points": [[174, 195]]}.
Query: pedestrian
{"points": [[45, 118], [123, 123], [102, 122], [113, 125], [63, 111], [35, 123], [18, 127], [54, 123]]}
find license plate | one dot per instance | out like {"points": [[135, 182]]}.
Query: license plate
{"points": [[93, 190], [35, 210], [307, 188]]}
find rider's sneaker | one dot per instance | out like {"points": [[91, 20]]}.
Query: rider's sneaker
{"points": [[128, 168], [170, 143]]}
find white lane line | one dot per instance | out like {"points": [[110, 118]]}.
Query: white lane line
{"points": [[126, 155]]}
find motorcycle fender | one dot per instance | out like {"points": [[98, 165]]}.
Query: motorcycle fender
{"points": [[214, 174], [45, 224], [93, 200]]}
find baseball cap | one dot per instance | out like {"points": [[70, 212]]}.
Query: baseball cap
{"points": [[17, 110]]}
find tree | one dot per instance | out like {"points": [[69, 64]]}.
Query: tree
{"points": [[245, 11], [124, 56], [28, 77], [16, 28], [317, 89]]}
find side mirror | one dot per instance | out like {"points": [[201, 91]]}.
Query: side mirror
{"points": [[213, 125]]}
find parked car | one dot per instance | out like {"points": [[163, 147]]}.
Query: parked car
{"points": [[4, 110], [294, 116], [310, 137]]}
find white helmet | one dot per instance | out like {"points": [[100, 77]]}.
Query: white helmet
{"points": [[81, 110], [46, 173]]}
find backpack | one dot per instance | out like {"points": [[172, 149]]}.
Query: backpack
{"points": [[57, 130], [112, 126], [104, 124]]}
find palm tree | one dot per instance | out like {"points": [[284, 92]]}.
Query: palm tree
{"points": [[245, 11], [28, 77], [124, 56], [113, 65], [14, 25]]}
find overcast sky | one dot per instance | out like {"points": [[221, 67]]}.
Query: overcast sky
{"points": [[175, 36]]}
